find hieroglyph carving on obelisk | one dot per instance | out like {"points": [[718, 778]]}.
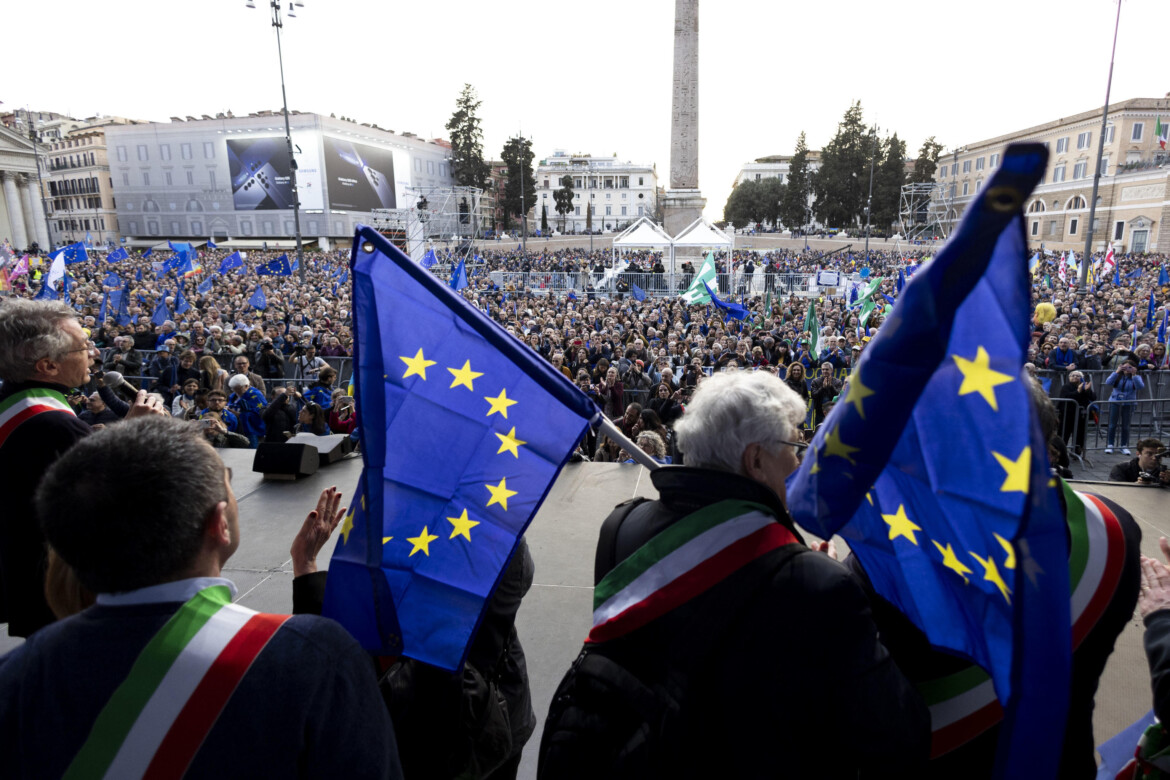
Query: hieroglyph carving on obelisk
{"points": [[684, 115]]}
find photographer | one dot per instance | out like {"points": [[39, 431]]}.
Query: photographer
{"points": [[308, 365], [269, 361], [1146, 468], [1125, 383]]}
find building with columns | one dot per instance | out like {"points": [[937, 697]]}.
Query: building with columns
{"points": [[22, 216], [620, 191], [1133, 199]]}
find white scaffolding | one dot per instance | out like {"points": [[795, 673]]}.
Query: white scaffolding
{"points": [[923, 212], [445, 219]]}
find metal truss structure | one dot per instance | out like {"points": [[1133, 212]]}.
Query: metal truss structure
{"points": [[925, 212], [445, 219]]}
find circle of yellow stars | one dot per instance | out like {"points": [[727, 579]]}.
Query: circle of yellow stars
{"points": [[979, 378], [461, 525]]}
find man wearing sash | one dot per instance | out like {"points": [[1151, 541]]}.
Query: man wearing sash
{"points": [[164, 676], [796, 682]]}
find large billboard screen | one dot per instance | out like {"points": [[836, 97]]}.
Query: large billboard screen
{"points": [[361, 177], [260, 175]]}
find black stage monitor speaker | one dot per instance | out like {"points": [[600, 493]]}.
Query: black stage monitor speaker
{"points": [[285, 461], [331, 448]]}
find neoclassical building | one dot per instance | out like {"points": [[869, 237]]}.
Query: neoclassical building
{"points": [[22, 216]]}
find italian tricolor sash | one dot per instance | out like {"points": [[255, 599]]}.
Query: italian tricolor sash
{"points": [[685, 560], [159, 716], [19, 407], [963, 705]]}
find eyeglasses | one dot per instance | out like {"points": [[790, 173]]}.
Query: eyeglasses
{"points": [[89, 347], [799, 445]]}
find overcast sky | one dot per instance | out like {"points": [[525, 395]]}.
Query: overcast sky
{"points": [[595, 77]]}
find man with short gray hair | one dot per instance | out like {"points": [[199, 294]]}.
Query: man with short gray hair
{"points": [[44, 354], [790, 659]]}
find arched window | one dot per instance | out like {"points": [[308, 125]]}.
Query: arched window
{"points": [[1037, 207], [1075, 202]]}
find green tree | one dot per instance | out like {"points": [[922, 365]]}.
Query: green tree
{"points": [[469, 167], [842, 183], [544, 218], [926, 165], [589, 216], [769, 200], [517, 155], [794, 204], [564, 198], [888, 178]]}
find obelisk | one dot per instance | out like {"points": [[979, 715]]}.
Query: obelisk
{"points": [[682, 203]]}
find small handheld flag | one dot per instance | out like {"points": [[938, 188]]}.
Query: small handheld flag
{"points": [[278, 267]]}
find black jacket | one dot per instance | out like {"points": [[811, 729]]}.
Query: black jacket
{"points": [[1157, 641], [25, 455], [801, 681], [279, 417], [1125, 472]]}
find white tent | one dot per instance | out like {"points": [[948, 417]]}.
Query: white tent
{"points": [[643, 234], [701, 234]]}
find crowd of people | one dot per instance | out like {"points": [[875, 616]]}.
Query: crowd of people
{"points": [[174, 370]]}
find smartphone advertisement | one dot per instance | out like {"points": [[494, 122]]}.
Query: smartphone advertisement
{"points": [[260, 176], [361, 177]]}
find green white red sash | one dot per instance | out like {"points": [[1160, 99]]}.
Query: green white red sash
{"points": [[685, 560], [157, 719], [19, 407], [963, 705]]}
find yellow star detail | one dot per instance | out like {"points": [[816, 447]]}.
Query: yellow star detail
{"points": [[509, 443], [978, 377], [463, 376], [1017, 471], [951, 561], [416, 366], [386, 539], [834, 446], [991, 574], [499, 404], [1010, 563], [462, 525], [900, 525], [346, 527], [422, 542], [857, 393], [500, 494]]}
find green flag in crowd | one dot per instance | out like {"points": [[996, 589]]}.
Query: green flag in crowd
{"points": [[696, 293]]}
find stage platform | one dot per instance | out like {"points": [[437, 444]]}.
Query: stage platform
{"points": [[556, 614]]}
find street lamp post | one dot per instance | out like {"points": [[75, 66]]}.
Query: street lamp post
{"points": [[278, 23], [869, 198]]}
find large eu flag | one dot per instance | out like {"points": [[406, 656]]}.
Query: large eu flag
{"points": [[934, 470], [464, 429], [278, 267], [231, 261]]}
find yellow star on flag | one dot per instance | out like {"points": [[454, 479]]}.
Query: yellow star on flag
{"points": [[951, 561], [462, 525], [834, 446], [500, 494], [509, 443], [463, 376], [346, 527], [499, 404], [1017, 471], [417, 365], [857, 393], [900, 525], [386, 539], [991, 574], [422, 542], [1010, 563], [978, 377]]}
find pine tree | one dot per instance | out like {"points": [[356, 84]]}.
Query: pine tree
{"points": [[794, 205], [841, 185], [888, 177], [926, 165], [564, 198], [469, 167], [517, 155]]}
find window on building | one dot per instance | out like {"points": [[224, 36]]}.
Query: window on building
{"points": [[197, 228], [164, 151], [168, 178], [1104, 166], [1133, 157], [145, 178], [640, 211], [1058, 174], [211, 177], [1035, 227], [185, 151], [994, 162], [191, 178], [1109, 133], [1084, 139], [640, 181], [443, 169], [121, 152], [966, 186], [143, 153], [246, 227], [1052, 223], [546, 184], [942, 171], [1061, 145], [757, 177], [1072, 226], [152, 228], [1080, 170], [176, 229], [577, 182], [576, 211], [208, 150], [133, 228], [430, 167], [1076, 202], [1138, 128], [417, 165], [608, 210], [979, 163], [125, 180], [966, 166], [623, 211]]}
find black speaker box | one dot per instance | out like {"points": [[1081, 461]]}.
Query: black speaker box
{"points": [[285, 461], [330, 448]]}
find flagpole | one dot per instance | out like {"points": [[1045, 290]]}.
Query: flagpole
{"points": [[612, 431], [1100, 152]]}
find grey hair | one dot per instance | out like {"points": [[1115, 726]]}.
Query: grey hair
{"points": [[238, 380], [733, 410], [30, 331]]}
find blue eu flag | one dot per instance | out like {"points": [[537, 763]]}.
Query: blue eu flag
{"points": [[161, 313], [103, 312], [429, 259], [181, 305], [278, 267], [123, 305], [258, 301], [117, 256], [147, 253], [940, 484], [75, 253], [459, 278], [464, 430], [730, 309], [112, 280], [175, 262], [211, 244], [231, 261], [206, 285], [637, 292]]}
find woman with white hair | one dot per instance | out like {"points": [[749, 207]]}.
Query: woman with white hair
{"points": [[248, 403]]}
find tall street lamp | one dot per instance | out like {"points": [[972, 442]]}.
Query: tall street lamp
{"points": [[292, 161]]}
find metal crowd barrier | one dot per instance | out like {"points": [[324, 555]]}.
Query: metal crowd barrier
{"points": [[1157, 383], [1148, 419], [666, 284]]}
